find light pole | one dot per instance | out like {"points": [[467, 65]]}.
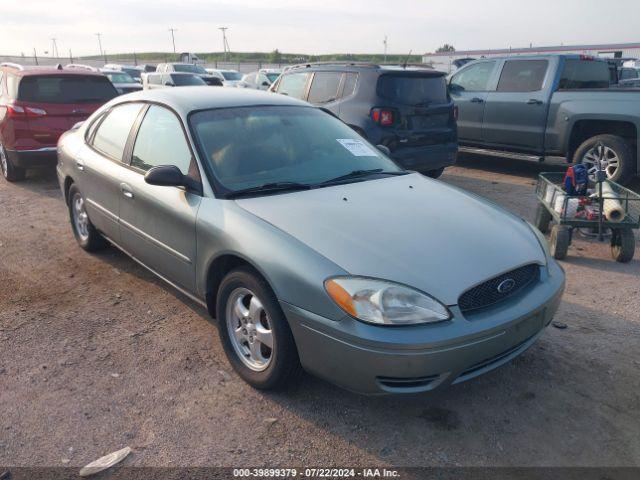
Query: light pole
{"points": [[99, 42], [225, 44], [385, 49], [173, 38]]}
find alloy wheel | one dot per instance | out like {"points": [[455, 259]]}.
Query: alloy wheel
{"points": [[249, 329], [610, 162], [80, 217]]}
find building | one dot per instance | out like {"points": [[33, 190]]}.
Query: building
{"points": [[444, 61]]}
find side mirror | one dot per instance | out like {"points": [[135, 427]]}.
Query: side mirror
{"points": [[166, 176], [384, 149], [265, 84]]}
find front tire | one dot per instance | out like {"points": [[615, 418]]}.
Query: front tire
{"points": [[254, 332], [619, 161], [10, 172], [86, 234]]}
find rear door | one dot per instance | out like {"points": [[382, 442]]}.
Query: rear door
{"points": [[158, 224], [515, 113], [54, 103], [99, 166], [469, 89]]}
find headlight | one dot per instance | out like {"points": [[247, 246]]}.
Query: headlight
{"points": [[384, 303]]}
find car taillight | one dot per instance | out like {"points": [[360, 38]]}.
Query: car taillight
{"points": [[587, 57], [18, 111], [455, 112], [382, 116]]}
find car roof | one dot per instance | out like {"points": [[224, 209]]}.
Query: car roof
{"points": [[30, 71], [187, 99]]}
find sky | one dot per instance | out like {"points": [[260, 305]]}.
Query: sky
{"points": [[311, 26]]}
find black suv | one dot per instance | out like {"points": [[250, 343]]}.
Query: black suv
{"points": [[406, 109]]}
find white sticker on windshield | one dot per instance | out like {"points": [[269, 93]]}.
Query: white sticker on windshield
{"points": [[357, 147]]}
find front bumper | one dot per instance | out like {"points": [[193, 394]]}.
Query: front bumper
{"points": [[41, 157], [372, 359], [426, 158]]}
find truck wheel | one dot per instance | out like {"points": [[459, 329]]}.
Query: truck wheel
{"points": [[559, 241], [10, 172], [86, 234], [623, 245], [543, 218], [619, 161]]}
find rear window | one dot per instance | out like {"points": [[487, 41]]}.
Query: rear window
{"points": [[412, 89], [186, 80], [580, 74], [66, 89]]}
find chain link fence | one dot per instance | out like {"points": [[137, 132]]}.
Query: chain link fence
{"points": [[243, 67]]}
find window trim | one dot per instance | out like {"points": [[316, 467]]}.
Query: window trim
{"points": [[489, 81], [133, 136]]}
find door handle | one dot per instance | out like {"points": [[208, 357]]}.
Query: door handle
{"points": [[533, 101], [126, 190], [477, 100], [79, 165]]}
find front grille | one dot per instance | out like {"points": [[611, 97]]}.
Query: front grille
{"points": [[489, 293]]}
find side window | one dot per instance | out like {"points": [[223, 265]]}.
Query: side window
{"points": [[350, 81], [161, 141], [474, 78], [111, 136], [324, 87], [522, 75], [579, 74], [293, 84]]}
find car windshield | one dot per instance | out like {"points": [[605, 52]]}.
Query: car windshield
{"points": [[189, 68], [186, 80], [249, 147], [413, 89], [66, 89], [272, 76], [120, 78], [232, 76]]}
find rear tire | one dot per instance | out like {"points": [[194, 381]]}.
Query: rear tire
{"points": [[241, 323], [434, 173], [623, 245], [617, 149], [10, 172], [543, 218], [86, 234], [559, 241]]}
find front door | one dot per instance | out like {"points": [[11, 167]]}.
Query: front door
{"points": [[515, 114], [158, 224], [469, 90]]}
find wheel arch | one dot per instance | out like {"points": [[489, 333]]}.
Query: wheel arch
{"points": [[584, 129], [68, 181], [218, 268]]}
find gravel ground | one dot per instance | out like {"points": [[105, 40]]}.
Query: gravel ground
{"points": [[96, 354]]}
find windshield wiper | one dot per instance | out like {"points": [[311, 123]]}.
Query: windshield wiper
{"points": [[362, 173], [269, 188]]}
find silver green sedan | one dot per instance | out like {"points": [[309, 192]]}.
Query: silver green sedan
{"points": [[312, 249]]}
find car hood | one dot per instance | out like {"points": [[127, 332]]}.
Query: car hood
{"points": [[408, 229]]}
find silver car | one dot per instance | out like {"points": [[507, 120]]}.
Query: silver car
{"points": [[311, 248]]}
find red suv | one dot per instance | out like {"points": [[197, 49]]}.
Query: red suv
{"points": [[39, 104]]}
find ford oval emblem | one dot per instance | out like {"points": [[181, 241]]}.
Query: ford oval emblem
{"points": [[506, 285]]}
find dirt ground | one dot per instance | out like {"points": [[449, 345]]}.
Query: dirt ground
{"points": [[96, 354]]}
